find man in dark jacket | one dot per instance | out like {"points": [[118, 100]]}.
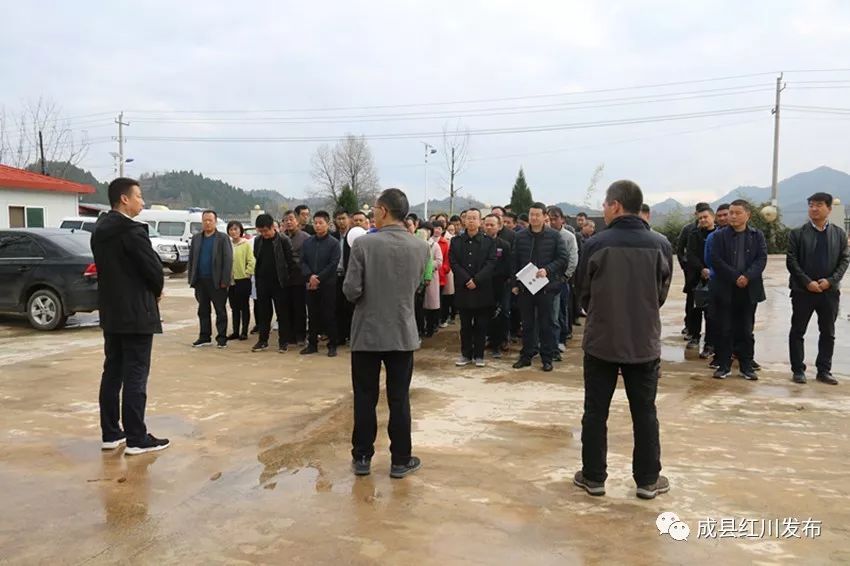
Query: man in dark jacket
{"points": [[497, 330], [275, 263], [624, 276], [544, 248], [320, 256], [738, 256], [129, 288], [682, 256], [473, 259], [697, 275], [295, 290], [817, 260], [210, 272]]}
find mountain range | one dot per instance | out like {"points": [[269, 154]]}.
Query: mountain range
{"points": [[792, 194], [182, 189]]}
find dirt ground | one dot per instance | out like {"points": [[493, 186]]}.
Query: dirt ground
{"points": [[258, 470]]}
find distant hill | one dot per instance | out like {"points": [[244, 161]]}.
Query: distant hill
{"points": [[63, 170]]}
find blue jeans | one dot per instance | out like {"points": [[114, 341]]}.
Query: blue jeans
{"points": [[560, 316]]}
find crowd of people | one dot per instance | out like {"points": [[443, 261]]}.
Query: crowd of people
{"points": [[385, 281]]}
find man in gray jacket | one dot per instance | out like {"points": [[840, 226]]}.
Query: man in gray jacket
{"points": [[817, 260], [563, 326], [624, 276], [384, 271], [210, 272]]}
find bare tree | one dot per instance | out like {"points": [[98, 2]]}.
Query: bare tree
{"points": [[456, 154], [355, 166], [325, 173], [45, 116], [591, 187]]}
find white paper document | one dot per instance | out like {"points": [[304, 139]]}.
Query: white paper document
{"points": [[528, 277]]}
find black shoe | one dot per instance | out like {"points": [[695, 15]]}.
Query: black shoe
{"points": [[331, 351], [260, 346], [361, 466], [521, 363], [826, 377], [150, 444], [661, 485], [282, 348], [713, 364], [398, 471], [749, 375], [721, 373], [547, 366], [221, 344], [309, 350], [693, 344], [243, 337], [497, 354], [201, 342], [685, 331], [799, 377], [755, 365], [234, 336], [706, 353], [254, 330], [557, 357], [113, 444], [592, 487]]}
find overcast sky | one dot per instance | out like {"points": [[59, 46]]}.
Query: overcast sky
{"points": [[157, 60]]}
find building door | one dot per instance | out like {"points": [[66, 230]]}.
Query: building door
{"points": [[17, 218]]}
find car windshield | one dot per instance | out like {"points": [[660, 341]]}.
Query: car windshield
{"points": [[153, 233], [75, 244]]}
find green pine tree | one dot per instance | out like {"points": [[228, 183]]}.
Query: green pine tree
{"points": [[521, 199], [347, 200]]}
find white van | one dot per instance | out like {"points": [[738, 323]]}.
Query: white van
{"points": [[179, 225]]}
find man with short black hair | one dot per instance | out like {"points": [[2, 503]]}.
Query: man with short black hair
{"points": [[682, 256], [523, 221], [384, 271], [360, 220], [344, 309], [738, 256], [561, 317], [302, 211], [275, 263], [210, 272], [320, 256], [545, 249], [509, 222], [295, 289], [624, 276], [817, 259], [129, 289], [497, 329], [698, 276]]}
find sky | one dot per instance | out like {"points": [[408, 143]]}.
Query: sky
{"points": [[279, 69]]}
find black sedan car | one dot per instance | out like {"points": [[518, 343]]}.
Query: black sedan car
{"points": [[49, 274]]}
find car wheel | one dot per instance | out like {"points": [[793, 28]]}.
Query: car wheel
{"points": [[178, 267], [44, 310]]}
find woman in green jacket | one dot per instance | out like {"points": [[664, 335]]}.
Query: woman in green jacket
{"points": [[240, 286]]}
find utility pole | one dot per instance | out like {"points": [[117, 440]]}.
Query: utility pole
{"points": [[774, 186], [121, 123], [41, 151], [429, 150], [452, 185]]}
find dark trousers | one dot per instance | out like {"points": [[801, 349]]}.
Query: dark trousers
{"points": [[206, 293], [734, 326], [559, 314], [344, 312], [270, 294], [321, 308], [538, 326], [689, 309], [446, 306], [419, 311], [366, 381], [500, 321], [432, 321], [125, 370], [572, 313], [295, 302], [803, 305], [239, 295], [600, 381], [473, 331]]}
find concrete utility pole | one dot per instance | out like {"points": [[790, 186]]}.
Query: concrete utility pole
{"points": [[121, 123], [774, 198], [429, 150]]}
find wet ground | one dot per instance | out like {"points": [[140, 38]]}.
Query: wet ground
{"points": [[259, 467]]}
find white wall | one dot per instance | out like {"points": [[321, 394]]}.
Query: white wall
{"points": [[56, 205]]}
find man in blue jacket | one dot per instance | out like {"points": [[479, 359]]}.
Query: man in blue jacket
{"points": [[319, 261], [738, 256], [210, 272]]}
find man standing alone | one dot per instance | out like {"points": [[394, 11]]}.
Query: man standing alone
{"points": [[384, 271], [210, 272], [624, 277], [817, 260], [129, 288], [473, 260]]}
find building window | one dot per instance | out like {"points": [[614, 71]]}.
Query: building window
{"points": [[26, 217]]}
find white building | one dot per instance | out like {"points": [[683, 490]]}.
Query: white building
{"points": [[30, 200]]}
